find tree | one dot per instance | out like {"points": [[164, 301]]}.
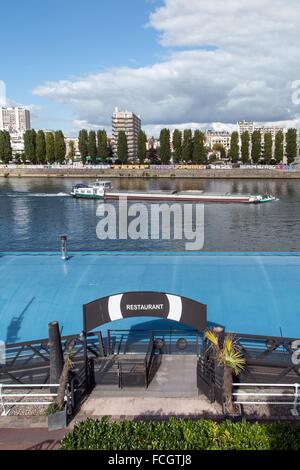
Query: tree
{"points": [[40, 147], [291, 145], [220, 148], [229, 356], [60, 147], [71, 151], [187, 146], [245, 144], [256, 147], [83, 144], [164, 147], [50, 148], [268, 148], [279, 147], [122, 147], [177, 145], [30, 145], [102, 148], [234, 151], [92, 146], [199, 150], [5, 147], [142, 146], [2, 146]]}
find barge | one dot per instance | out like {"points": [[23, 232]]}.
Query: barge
{"points": [[187, 196], [104, 190]]}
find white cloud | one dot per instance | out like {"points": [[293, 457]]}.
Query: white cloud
{"points": [[247, 74]]}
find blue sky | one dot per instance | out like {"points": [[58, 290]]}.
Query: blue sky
{"points": [[56, 39], [199, 63]]}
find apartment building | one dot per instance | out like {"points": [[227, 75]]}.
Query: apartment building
{"points": [[245, 126], [218, 137], [128, 122], [14, 120]]}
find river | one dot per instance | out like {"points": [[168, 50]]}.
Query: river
{"points": [[34, 212]]}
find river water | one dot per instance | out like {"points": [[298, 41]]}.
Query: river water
{"points": [[35, 212]]}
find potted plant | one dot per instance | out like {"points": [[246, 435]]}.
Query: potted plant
{"points": [[228, 355], [57, 411]]}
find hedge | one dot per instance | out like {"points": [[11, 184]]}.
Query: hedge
{"points": [[180, 434]]}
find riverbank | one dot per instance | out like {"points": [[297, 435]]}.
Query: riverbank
{"points": [[236, 173]]}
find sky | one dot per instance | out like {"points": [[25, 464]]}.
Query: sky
{"points": [[176, 63]]}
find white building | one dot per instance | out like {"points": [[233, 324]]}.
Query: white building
{"points": [[14, 120], [218, 138], [129, 123], [17, 143]]}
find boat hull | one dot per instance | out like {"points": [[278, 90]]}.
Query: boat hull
{"points": [[179, 198], [87, 196]]}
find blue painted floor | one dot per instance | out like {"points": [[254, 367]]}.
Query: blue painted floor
{"points": [[257, 294]]}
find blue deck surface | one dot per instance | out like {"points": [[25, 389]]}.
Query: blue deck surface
{"points": [[257, 294]]}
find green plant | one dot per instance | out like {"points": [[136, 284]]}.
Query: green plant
{"points": [[180, 434], [229, 356], [52, 409]]}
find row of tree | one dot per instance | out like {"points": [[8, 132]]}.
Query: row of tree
{"points": [[39, 147], [186, 147], [93, 145], [254, 148]]}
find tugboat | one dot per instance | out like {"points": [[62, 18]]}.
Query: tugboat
{"points": [[91, 191]]}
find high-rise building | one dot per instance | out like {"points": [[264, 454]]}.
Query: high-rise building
{"points": [[129, 123], [14, 120], [245, 126]]}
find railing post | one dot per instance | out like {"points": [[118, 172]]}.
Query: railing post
{"points": [[2, 401], [108, 342], [294, 411]]}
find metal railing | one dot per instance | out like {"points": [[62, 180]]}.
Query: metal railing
{"points": [[7, 405], [245, 397]]}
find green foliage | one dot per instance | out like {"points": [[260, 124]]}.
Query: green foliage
{"points": [[179, 434], [5, 147], [30, 145], [142, 149], [279, 147], [245, 147], [83, 144], [256, 147], [60, 147], [199, 150], [291, 145], [177, 145], [234, 151], [220, 148], [52, 409], [40, 147], [92, 146], [102, 147], [268, 148], [50, 148], [71, 151], [122, 148], [164, 146], [187, 146]]}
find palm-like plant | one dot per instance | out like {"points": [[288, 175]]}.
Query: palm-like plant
{"points": [[227, 354]]}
